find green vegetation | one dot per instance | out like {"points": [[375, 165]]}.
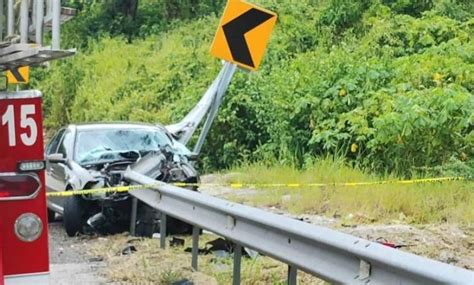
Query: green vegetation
{"points": [[175, 264], [419, 203], [386, 84]]}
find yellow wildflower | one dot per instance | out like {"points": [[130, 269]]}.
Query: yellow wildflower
{"points": [[354, 147], [437, 77], [342, 92], [400, 139]]}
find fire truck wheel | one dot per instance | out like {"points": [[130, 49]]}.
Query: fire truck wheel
{"points": [[51, 216], [74, 217]]}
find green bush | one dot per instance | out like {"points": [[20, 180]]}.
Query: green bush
{"points": [[365, 81]]}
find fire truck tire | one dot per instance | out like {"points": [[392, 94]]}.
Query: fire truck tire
{"points": [[73, 218], [51, 216]]}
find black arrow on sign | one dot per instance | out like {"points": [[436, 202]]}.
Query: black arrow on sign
{"points": [[235, 30], [16, 73]]}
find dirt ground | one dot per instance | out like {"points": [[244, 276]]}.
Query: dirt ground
{"points": [[448, 243], [82, 258]]}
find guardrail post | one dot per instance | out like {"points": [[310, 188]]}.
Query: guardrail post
{"points": [[133, 217], [237, 263], [292, 275], [163, 230], [195, 249]]}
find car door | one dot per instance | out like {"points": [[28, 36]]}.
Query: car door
{"points": [[52, 184], [55, 172]]}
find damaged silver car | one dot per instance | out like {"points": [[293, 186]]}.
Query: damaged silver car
{"points": [[88, 156]]}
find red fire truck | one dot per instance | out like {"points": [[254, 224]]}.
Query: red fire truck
{"points": [[23, 224], [23, 215]]}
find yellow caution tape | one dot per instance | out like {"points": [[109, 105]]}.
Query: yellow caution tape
{"points": [[96, 190], [119, 189]]}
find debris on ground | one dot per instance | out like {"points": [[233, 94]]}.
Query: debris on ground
{"points": [[176, 242], [385, 242], [183, 282], [222, 248], [129, 249]]}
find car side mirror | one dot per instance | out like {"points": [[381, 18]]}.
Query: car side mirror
{"points": [[56, 158]]}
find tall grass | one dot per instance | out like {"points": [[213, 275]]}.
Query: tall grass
{"points": [[434, 202], [158, 266]]}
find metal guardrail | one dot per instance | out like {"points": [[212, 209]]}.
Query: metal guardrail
{"points": [[330, 255]]}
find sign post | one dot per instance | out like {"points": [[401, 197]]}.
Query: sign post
{"points": [[241, 38]]}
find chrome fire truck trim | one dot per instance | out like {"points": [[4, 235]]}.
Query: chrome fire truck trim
{"points": [[40, 278]]}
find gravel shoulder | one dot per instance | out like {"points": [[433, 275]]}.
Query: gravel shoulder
{"points": [[68, 261], [448, 243]]}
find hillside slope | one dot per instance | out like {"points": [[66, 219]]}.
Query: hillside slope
{"points": [[386, 84]]}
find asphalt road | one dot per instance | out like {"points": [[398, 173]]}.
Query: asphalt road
{"points": [[69, 263]]}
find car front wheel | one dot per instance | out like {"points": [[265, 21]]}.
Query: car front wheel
{"points": [[75, 215]]}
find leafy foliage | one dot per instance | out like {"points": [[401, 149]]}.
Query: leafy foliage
{"points": [[386, 84], [130, 18]]}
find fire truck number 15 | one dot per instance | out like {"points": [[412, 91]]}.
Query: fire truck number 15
{"points": [[26, 122]]}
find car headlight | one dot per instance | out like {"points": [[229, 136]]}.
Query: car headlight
{"points": [[28, 227]]}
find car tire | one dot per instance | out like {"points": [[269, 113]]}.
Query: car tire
{"points": [[73, 217], [51, 216], [147, 220]]}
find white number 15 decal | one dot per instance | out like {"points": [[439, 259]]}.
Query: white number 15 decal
{"points": [[25, 122]]}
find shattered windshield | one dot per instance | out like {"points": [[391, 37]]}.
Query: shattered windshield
{"points": [[93, 146]]}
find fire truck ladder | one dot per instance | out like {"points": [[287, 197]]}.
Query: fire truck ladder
{"points": [[21, 42]]}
